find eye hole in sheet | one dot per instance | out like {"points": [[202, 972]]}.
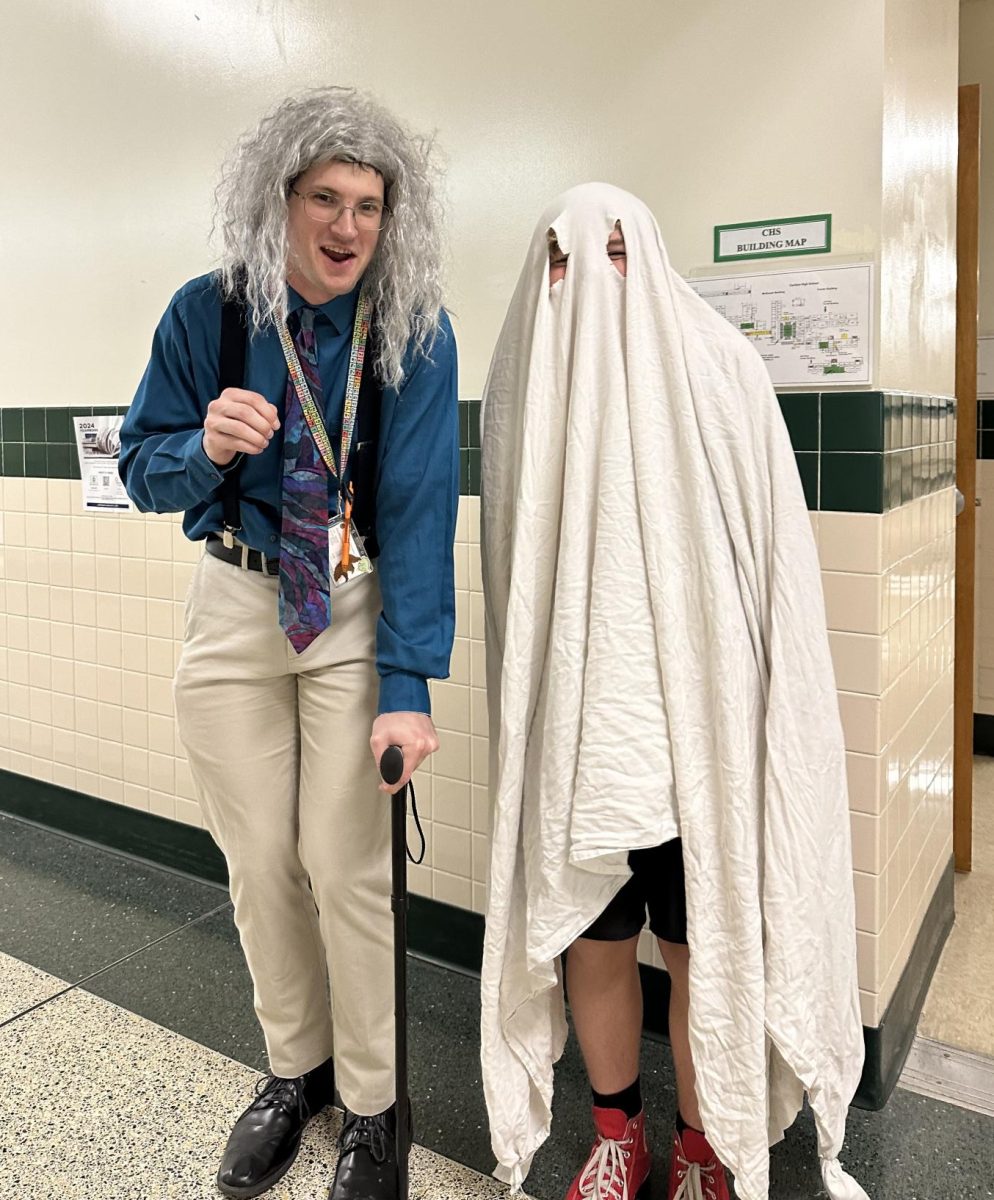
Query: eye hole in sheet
{"points": [[616, 253]]}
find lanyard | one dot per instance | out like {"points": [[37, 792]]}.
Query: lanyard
{"points": [[315, 422]]}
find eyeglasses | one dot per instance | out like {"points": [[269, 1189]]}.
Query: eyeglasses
{"points": [[327, 207]]}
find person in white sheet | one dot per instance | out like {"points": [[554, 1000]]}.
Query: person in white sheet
{"points": [[665, 731]]}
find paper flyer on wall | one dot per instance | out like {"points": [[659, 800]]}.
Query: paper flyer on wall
{"points": [[98, 442]]}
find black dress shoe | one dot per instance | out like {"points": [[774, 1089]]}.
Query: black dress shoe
{"points": [[266, 1137], [367, 1164]]}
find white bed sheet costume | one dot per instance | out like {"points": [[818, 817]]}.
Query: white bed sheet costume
{"points": [[656, 645]]}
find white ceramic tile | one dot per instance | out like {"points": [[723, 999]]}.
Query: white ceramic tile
{"points": [[160, 695], [63, 709], [185, 788], [161, 733], [478, 664], [134, 722], [472, 519], [107, 538], [84, 607], [480, 755], [18, 637], [163, 804], [83, 534], [35, 495], [851, 542], [861, 722], [859, 661], [461, 565], [84, 571], [59, 533], [462, 614], [462, 521], [452, 889], [134, 690], [135, 796], [451, 802], [867, 848], [452, 759], [132, 534], [459, 662], [479, 713], [188, 811], [451, 850], [13, 495], [451, 707]]}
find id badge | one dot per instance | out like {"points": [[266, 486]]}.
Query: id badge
{"points": [[359, 562]]}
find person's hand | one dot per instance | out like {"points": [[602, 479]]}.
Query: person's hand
{"points": [[238, 422], [413, 732]]}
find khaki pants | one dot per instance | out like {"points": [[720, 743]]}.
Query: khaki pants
{"points": [[279, 749]]}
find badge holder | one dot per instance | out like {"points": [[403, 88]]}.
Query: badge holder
{"points": [[346, 549]]}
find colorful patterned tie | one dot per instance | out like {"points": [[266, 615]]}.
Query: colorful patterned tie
{"points": [[305, 588]]}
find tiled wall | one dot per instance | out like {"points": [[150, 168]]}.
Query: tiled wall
{"points": [[91, 616], [888, 583]]}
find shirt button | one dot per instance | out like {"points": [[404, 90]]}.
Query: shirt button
{"points": [[273, 537]]}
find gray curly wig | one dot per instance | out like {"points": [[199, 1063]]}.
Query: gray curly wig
{"points": [[318, 126]]}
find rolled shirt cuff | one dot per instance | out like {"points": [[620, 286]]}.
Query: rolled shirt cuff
{"points": [[404, 691]]}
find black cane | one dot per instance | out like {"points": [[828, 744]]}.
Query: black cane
{"points": [[391, 769]]}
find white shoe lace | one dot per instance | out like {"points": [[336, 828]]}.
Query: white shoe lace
{"points": [[697, 1180], [604, 1177]]}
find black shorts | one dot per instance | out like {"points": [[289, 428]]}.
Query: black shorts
{"points": [[657, 885]]}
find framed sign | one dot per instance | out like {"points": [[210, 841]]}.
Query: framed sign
{"points": [[777, 238]]}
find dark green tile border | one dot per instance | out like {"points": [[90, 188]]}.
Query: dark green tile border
{"points": [[807, 467], [801, 414], [856, 451], [452, 936], [875, 450], [40, 443], [852, 483], [469, 447]]}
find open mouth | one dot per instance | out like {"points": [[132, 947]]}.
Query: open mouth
{"points": [[336, 255]]}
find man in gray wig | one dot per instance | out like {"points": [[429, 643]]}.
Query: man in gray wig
{"points": [[300, 408]]}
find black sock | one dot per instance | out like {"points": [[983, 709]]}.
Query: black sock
{"points": [[682, 1126], [629, 1100]]}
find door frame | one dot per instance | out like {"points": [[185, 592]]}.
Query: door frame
{"points": [[967, 268]]}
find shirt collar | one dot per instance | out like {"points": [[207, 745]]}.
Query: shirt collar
{"points": [[339, 310]]}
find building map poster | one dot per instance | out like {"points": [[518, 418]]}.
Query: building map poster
{"points": [[810, 326]]}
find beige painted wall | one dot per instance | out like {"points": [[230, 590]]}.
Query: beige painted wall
{"points": [[118, 112]]}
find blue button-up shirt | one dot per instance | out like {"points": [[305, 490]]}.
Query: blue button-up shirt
{"points": [[165, 469]]}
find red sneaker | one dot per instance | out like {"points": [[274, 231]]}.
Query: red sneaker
{"points": [[695, 1172], [619, 1163]]}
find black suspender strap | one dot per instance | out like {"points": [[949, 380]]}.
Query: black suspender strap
{"points": [[366, 454], [231, 373]]}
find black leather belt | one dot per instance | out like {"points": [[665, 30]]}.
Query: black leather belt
{"points": [[242, 556]]}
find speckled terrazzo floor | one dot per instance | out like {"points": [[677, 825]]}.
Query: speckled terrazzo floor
{"points": [[147, 1057], [105, 1105]]}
